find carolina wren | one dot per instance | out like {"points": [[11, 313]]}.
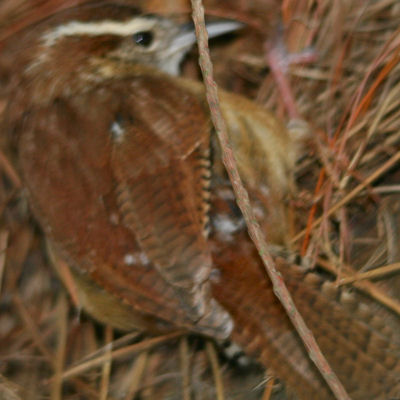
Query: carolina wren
{"points": [[115, 154]]}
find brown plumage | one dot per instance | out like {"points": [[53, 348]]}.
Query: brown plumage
{"points": [[116, 158], [365, 357]]}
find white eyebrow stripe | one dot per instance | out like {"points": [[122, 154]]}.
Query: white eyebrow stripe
{"points": [[106, 27]]}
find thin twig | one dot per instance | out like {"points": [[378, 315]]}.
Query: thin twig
{"points": [[185, 362], [122, 341], [3, 248], [216, 369], [32, 329], [136, 377], [365, 286], [268, 389], [375, 273], [375, 175], [106, 370], [243, 201], [146, 344], [59, 359]]}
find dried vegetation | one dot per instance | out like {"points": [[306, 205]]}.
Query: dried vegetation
{"points": [[345, 215]]}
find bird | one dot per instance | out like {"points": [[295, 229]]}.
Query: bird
{"points": [[123, 174]]}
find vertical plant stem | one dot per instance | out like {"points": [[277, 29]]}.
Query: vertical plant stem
{"points": [[243, 201]]}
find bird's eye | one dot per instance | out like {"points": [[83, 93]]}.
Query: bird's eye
{"points": [[144, 38]]}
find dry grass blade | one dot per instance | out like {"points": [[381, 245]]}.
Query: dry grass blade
{"points": [[33, 330], [376, 273], [122, 341], [364, 286], [135, 348], [268, 389], [3, 246], [138, 370], [212, 356], [106, 370], [184, 359], [8, 390], [374, 176], [59, 360]]}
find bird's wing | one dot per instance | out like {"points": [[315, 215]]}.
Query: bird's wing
{"points": [[161, 164], [116, 178]]}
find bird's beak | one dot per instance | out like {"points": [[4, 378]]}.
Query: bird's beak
{"points": [[187, 36]]}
